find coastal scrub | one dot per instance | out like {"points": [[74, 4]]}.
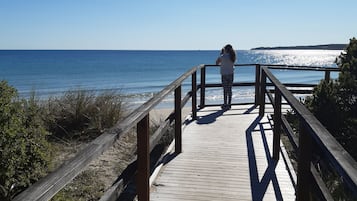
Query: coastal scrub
{"points": [[24, 149], [82, 115]]}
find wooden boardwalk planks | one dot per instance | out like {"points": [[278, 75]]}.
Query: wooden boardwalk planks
{"points": [[226, 156]]}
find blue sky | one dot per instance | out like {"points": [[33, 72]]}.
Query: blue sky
{"points": [[173, 24]]}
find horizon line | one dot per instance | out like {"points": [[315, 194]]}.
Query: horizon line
{"points": [[114, 49], [252, 49]]}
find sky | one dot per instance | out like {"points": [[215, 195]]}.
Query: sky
{"points": [[174, 24]]}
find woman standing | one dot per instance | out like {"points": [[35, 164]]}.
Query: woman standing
{"points": [[226, 60]]}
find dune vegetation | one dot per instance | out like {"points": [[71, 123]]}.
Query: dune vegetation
{"points": [[38, 135]]}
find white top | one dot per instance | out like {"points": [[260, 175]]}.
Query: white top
{"points": [[227, 66]]}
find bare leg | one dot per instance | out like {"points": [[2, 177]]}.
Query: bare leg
{"points": [[229, 93]]}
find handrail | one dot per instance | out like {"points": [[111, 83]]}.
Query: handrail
{"points": [[327, 70], [138, 114], [311, 129], [299, 67], [203, 84], [48, 186]]}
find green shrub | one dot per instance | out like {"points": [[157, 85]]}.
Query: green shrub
{"points": [[323, 105], [24, 150], [335, 102]]}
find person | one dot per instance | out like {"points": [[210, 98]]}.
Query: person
{"points": [[226, 61]]}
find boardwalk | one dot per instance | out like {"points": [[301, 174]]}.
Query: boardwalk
{"points": [[226, 156]]}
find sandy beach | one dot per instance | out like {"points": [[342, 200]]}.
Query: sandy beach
{"points": [[108, 166], [159, 115]]}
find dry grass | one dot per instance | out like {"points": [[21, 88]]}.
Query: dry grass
{"points": [[75, 119], [82, 115], [101, 173]]}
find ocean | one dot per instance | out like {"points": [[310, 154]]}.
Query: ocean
{"points": [[137, 75]]}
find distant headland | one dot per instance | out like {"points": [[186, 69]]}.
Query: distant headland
{"points": [[308, 47]]}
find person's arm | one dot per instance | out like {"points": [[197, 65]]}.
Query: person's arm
{"points": [[218, 61]]}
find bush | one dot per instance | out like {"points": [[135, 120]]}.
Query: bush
{"points": [[334, 105], [82, 115], [26, 124], [24, 150], [323, 105], [334, 102]]}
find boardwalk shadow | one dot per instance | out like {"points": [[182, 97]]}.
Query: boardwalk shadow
{"points": [[259, 187], [129, 174], [249, 110], [210, 118]]}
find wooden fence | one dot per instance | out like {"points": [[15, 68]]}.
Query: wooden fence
{"points": [[48, 186], [312, 139]]}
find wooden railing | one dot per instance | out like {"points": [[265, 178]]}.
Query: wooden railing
{"points": [[203, 86], [312, 136], [47, 187]]}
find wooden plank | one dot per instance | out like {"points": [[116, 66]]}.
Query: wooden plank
{"points": [[320, 186], [47, 187], [342, 162], [290, 133], [304, 162], [194, 95], [178, 121], [143, 173], [257, 84], [215, 161], [262, 93], [203, 87], [277, 125], [300, 68]]}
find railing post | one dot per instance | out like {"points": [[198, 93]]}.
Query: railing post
{"points": [[277, 124], [304, 161], [178, 121], [143, 174], [194, 95], [203, 87], [257, 84], [327, 76], [262, 94]]}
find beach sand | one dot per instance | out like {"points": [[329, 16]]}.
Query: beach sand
{"points": [[159, 115], [112, 162]]}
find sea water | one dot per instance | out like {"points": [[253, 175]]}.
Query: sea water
{"points": [[138, 75]]}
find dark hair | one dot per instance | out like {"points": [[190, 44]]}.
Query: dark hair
{"points": [[232, 54]]}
